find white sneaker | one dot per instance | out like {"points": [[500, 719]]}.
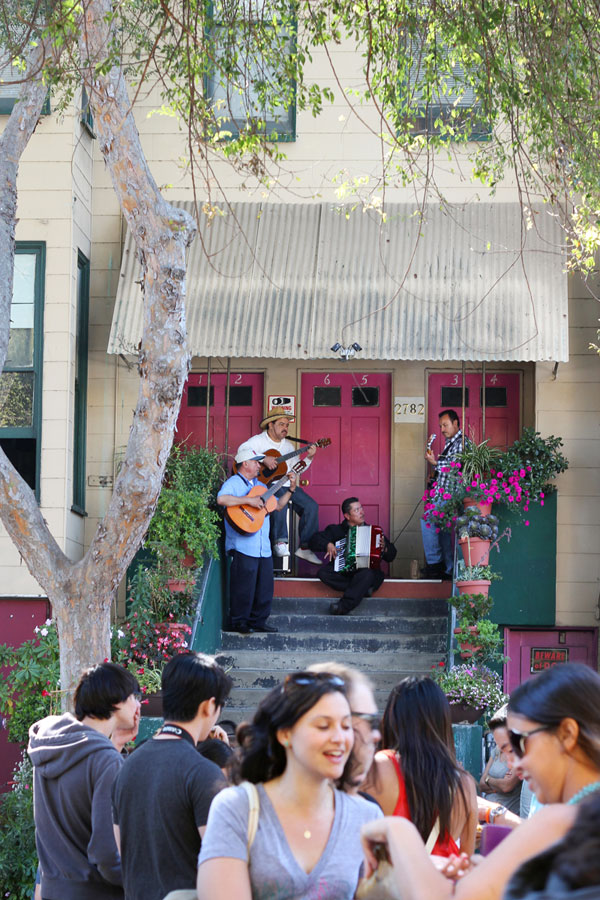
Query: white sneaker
{"points": [[281, 548], [309, 556]]}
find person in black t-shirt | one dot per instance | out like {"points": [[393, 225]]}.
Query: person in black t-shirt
{"points": [[164, 790]]}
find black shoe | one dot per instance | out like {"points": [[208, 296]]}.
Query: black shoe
{"points": [[241, 629], [265, 629], [433, 570], [447, 576], [335, 609]]}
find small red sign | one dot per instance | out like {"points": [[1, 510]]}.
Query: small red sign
{"points": [[545, 657]]}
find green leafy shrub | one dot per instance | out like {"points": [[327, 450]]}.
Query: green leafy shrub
{"points": [[18, 855], [537, 459], [472, 685], [471, 607]]}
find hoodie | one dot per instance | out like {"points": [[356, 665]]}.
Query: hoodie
{"points": [[75, 767]]}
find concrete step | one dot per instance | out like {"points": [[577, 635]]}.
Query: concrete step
{"points": [[246, 682], [284, 661], [354, 642], [372, 606], [332, 625], [391, 587]]}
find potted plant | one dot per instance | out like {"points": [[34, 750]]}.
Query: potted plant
{"points": [[475, 533], [476, 463], [475, 579], [186, 524], [537, 461], [481, 641], [471, 607], [472, 690]]}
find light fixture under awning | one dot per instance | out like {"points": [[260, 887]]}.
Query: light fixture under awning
{"points": [[274, 280]]}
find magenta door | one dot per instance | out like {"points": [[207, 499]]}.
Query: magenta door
{"points": [[354, 410], [502, 406], [245, 409], [531, 651]]}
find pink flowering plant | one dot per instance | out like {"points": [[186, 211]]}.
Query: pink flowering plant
{"points": [[471, 685]]}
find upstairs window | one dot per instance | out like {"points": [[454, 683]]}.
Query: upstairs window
{"points": [[439, 95], [21, 379], [250, 85], [10, 84]]}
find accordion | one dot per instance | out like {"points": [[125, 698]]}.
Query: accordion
{"points": [[360, 549]]}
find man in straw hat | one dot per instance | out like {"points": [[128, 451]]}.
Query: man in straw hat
{"points": [[275, 427], [251, 573]]}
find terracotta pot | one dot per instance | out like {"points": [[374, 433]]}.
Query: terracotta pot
{"points": [[178, 585], [475, 551], [474, 587], [460, 712], [467, 649], [484, 508]]}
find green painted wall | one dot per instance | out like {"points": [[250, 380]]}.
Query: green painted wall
{"points": [[527, 593]]}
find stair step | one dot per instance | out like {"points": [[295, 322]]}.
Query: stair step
{"points": [[330, 625], [250, 682], [409, 661], [371, 606], [349, 642], [391, 587]]}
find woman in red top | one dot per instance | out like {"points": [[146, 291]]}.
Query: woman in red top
{"points": [[416, 774]]}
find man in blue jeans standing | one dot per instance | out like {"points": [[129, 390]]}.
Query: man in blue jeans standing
{"points": [[251, 573], [438, 545]]}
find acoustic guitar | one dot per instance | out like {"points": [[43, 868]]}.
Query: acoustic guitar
{"points": [[268, 475], [249, 519]]}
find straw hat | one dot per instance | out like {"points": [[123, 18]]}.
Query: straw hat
{"points": [[273, 416]]}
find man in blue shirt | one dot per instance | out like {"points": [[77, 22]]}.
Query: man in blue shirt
{"points": [[251, 573]]}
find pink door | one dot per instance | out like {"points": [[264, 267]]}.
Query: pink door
{"points": [[531, 651], [503, 405], [354, 410], [245, 409]]}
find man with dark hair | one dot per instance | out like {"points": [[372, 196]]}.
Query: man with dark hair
{"points": [[437, 545], [75, 765], [355, 583], [164, 791]]}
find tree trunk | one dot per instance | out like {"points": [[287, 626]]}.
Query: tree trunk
{"points": [[81, 594]]}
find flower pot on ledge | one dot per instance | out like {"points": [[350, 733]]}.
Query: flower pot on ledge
{"points": [[475, 551], [467, 649], [484, 508], [474, 587], [461, 712]]}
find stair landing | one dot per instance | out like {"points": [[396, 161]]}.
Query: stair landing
{"points": [[409, 589]]}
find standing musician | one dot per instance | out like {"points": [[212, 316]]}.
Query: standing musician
{"points": [[354, 584], [437, 545], [251, 573], [275, 427]]}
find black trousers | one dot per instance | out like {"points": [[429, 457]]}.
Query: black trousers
{"points": [[250, 589], [355, 585]]}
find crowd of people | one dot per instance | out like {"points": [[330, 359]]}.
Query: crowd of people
{"points": [[318, 796]]}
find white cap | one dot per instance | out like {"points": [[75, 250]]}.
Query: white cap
{"points": [[247, 454]]}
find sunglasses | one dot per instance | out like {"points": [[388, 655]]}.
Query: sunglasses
{"points": [[305, 679], [373, 720], [518, 739]]}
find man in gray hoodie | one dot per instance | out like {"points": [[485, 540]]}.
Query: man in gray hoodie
{"points": [[75, 765]]}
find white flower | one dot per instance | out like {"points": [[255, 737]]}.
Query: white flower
{"points": [[48, 622], [43, 631], [120, 634], [36, 629]]}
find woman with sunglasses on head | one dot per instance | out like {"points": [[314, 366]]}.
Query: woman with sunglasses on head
{"points": [[366, 722], [554, 730], [416, 775], [308, 838]]}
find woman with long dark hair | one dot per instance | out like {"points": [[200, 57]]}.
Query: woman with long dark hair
{"points": [[416, 775], [554, 729], [307, 842]]}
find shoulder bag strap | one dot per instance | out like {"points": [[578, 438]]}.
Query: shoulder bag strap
{"points": [[433, 836], [254, 804]]}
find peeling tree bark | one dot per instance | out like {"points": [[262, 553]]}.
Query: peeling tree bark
{"points": [[82, 593]]}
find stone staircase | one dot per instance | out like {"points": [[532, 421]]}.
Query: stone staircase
{"points": [[402, 630]]}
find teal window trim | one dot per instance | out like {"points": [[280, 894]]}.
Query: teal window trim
{"points": [[81, 373], [288, 135], [33, 431], [86, 118]]}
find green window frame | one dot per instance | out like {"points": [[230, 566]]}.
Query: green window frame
{"points": [[455, 108], [241, 102], [86, 118], [21, 378], [81, 373]]}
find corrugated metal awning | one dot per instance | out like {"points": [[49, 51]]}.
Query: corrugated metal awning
{"points": [[289, 280]]}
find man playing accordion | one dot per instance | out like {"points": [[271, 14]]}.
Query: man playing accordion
{"points": [[359, 576]]}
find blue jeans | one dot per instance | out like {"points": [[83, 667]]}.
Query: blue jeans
{"points": [[307, 509], [438, 545]]}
